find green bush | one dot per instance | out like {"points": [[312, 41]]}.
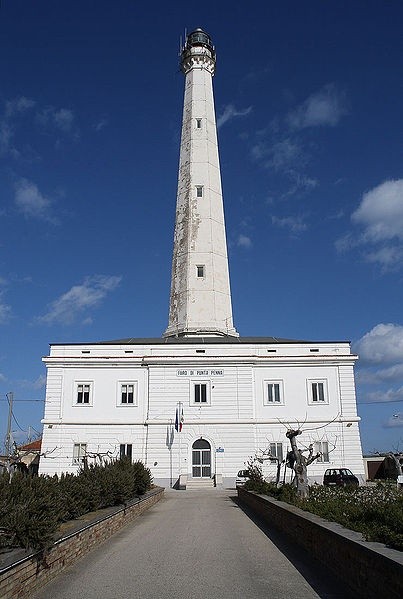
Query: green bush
{"points": [[32, 508]]}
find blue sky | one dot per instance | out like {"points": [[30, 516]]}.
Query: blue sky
{"points": [[309, 103]]}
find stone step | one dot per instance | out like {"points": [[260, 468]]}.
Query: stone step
{"points": [[199, 483]]}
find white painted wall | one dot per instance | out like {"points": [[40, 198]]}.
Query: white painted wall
{"points": [[236, 418]]}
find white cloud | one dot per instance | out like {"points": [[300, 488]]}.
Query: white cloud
{"points": [[38, 383], [244, 241], [60, 119], [100, 124], [2, 378], [285, 153], [388, 258], [5, 312], [13, 110], [381, 345], [80, 298], [6, 134], [230, 112], [381, 396], [294, 223], [64, 120], [381, 212], [18, 105], [380, 375], [323, 108], [20, 112], [396, 420], [31, 202]]}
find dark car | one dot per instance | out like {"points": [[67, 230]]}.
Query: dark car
{"points": [[340, 477], [242, 477]]}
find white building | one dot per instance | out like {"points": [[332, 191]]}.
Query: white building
{"points": [[234, 396]]}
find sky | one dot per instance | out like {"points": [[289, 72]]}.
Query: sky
{"points": [[309, 99]]}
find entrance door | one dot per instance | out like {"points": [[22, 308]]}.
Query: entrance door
{"points": [[201, 459]]}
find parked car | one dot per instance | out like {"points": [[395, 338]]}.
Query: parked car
{"points": [[242, 477], [340, 477]]}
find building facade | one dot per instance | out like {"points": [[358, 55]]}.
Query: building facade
{"points": [[195, 404]]}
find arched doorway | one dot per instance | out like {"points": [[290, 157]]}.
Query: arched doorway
{"points": [[201, 459]]}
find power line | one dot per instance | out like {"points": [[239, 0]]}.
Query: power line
{"points": [[17, 423], [41, 400]]}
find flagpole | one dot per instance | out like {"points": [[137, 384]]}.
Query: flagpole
{"points": [[180, 444]]}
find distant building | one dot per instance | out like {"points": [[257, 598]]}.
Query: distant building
{"points": [[230, 396], [28, 456], [382, 466]]}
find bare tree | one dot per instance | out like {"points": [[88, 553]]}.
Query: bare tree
{"points": [[396, 461], [264, 456], [301, 462]]}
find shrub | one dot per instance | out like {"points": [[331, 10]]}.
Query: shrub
{"points": [[32, 508], [376, 512], [32, 514]]}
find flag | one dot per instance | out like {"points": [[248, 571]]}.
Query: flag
{"points": [[179, 418]]}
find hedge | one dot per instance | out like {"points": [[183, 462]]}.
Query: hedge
{"points": [[33, 508]]}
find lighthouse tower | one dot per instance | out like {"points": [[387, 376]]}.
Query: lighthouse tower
{"points": [[200, 301]]}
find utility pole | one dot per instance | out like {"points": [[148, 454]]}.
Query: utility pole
{"points": [[10, 397]]}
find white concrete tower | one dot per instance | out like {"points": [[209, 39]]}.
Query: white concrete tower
{"points": [[200, 302]]}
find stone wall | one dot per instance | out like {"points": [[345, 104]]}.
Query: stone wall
{"points": [[19, 580], [370, 569]]}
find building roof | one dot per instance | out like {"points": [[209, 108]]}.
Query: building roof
{"points": [[202, 340], [33, 446]]}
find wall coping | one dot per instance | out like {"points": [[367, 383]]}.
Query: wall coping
{"points": [[342, 550]]}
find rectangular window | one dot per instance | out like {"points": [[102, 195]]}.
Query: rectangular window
{"points": [[79, 452], [322, 447], [200, 393], [273, 392], [83, 393], [276, 451], [200, 271], [127, 393], [198, 123], [126, 451], [199, 191], [317, 392]]}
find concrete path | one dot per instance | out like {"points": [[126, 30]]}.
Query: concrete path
{"points": [[193, 545]]}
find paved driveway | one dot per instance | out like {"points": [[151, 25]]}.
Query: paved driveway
{"points": [[193, 545]]}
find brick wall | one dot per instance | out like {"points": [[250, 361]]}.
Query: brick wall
{"points": [[370, 569], [21, 579]]}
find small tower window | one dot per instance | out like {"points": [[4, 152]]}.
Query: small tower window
{"points": [[198, 123], [199, 191], [200, 271]]}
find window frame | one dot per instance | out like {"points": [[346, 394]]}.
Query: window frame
{"points": [[199, 191], [125, 452], [79, 455], [310, 388], [266, 393], [202, 268], [120, 392], [277, 445], [79, 384], [193, 393], [322, 447], [199, 123]]}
